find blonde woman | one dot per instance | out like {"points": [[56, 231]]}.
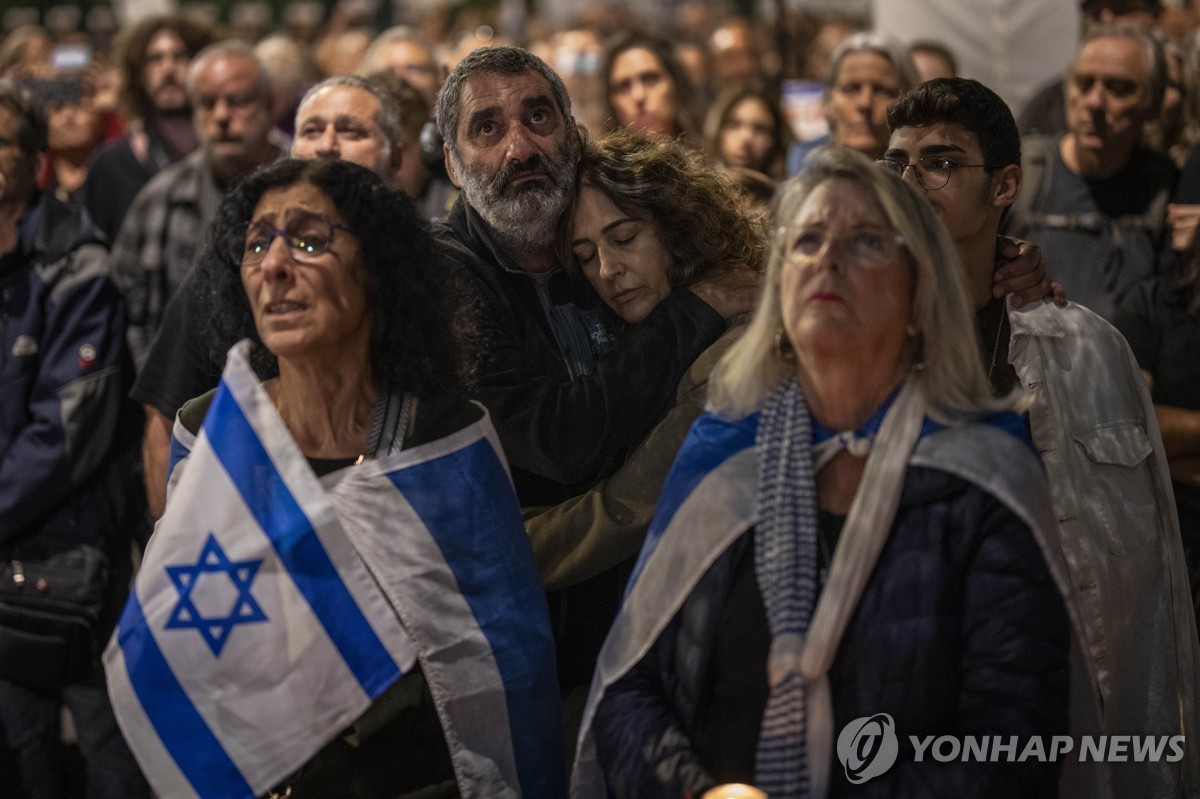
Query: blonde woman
{"points": [[775, 602]]}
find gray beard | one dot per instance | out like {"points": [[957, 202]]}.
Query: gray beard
{"points": [[524, 219]]}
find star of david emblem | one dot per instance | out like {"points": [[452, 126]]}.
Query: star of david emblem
{"points": [[214, 563]]}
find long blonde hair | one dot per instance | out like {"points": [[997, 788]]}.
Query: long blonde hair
{"points": [[951, 378]]}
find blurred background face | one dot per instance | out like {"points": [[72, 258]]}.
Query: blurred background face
{"points": [[642, 93], [733, 53], [747, 134], [412, 62], [858, 99], [73, 127], [1108, 94], [232, 114], [164, 73]]}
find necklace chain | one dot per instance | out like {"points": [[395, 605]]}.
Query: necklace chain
{"points": [[996, 346]]}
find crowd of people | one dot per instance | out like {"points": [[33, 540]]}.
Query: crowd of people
{"points": [[459, 416]]}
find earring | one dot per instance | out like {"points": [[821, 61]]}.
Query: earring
{"points": [[784, 350], [918, 356]]}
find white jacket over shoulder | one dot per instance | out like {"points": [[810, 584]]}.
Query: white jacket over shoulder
{"points": [[1093, 421]]}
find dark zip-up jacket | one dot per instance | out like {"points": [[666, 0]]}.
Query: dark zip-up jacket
{"points": [[65, 446]]}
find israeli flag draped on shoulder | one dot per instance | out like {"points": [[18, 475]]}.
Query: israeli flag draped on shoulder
{"points": [[709, 500], [273, 607]]}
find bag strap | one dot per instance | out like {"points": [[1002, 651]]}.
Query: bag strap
{"points": [[1035, 183]]}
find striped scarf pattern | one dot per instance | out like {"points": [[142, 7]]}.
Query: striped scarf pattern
{"points": [[785, 560]]}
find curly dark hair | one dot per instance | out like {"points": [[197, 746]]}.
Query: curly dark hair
{"points": [[130, 55], [419, 336], [694, 208]]}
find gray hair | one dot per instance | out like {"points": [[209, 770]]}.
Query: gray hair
{"points": [[871, 42], [229, 48], [952, 380], [492, 60], [388, 116], [1155, 58]]}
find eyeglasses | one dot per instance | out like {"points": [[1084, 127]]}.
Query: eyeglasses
{"points": [[933, 171], [871, 248], [308, 236]]}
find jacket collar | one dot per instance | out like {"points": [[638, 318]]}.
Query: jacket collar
{"points": [[1036, 319], [475, 229]]}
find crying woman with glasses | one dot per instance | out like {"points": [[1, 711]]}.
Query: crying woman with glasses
{"points": [[345, 394]]}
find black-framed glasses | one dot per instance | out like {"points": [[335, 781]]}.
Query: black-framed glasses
{"points": [[933, 171], [308, 236]]}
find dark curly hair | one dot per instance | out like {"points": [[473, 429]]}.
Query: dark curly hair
{"points": [[694, 208], [419, 335]]}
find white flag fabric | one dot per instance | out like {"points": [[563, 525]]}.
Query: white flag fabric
{"points": [[272, 607]]}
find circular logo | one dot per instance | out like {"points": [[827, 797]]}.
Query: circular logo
{"points": [[868, 747]]}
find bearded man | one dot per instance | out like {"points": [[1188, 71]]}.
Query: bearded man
{"points": [[567, 400]]}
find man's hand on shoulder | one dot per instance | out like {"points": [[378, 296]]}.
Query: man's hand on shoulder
{"points": [[1021, 271], [1183, 219]]}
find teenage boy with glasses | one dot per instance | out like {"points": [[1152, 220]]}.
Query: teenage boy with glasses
{"points": [[1093, 422]]}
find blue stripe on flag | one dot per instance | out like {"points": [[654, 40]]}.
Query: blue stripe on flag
{"points": [[184, 733], [711, 441], [177, 453], [266, 494], [485, 545]]}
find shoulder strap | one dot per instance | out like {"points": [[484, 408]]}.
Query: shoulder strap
{"points": [[1036, 161]]}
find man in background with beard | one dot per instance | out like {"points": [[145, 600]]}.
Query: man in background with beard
{"points": [[160, 239], [567, 401], [153, 56]]}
